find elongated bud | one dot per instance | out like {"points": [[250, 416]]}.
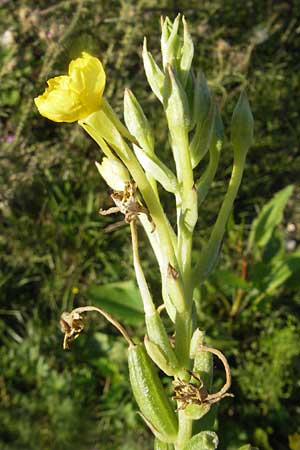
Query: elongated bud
{"points": [[202, 99], [159, 358], [175, 103], [187, 53], [170, 42], [158, 335], [157, 169], [137, 123], [114, 173], [206, 440], [203, 361], [154, 75], [242, 125], [202, 138]]}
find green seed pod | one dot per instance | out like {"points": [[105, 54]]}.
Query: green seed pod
{"points": [[137, 123], [206, 440], [150, 395]]}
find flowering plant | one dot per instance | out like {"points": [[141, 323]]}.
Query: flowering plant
{"points": [[133, 169]]}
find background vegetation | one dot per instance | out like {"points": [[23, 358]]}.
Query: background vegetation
{"points": [[56, 251]]}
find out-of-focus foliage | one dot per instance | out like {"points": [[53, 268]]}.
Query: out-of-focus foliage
{"points": [[54, 245]]}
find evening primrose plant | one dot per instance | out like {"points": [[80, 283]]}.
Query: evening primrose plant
{"points": [[134, 171]]}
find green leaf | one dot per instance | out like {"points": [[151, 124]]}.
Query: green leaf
{"points": [[231, 280], [270, 216], [121, 299], [268, 278], [248, 447], [206, 440]]}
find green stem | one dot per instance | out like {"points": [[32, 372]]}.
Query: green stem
{"points": [[210, 253], [184, 431], [149, 307]]}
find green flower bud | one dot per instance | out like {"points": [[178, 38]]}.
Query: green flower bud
{"points": [[170, 42], [154, 75], [114, 173], [202, 99], [195, 412], [158, 335], [242, 125], [206, 440], [157, 169], [159, 358], [203, 361], [175, 103], [187, 53], [202, 138], [137, 123], [205, 181]]}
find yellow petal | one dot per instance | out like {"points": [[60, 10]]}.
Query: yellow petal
{"points": [[75, 96]]}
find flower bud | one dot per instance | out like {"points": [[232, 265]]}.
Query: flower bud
{"points": [[187, 53], [137, 123], [114, 173], [202, 99], [154, 167], [175, 103], [154, 75], [242, 125], [202, 138], [170, 42], [158, 357]]}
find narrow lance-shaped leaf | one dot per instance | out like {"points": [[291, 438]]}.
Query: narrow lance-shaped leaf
{"points": [[270, 216]]}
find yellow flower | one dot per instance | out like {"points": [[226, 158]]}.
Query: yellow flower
{"points": [[73, 97]]}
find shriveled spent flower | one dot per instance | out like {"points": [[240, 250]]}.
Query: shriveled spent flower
{"points": [[73, 97]]}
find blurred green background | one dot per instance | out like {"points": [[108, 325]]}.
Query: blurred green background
{"points": [[57, 252]]}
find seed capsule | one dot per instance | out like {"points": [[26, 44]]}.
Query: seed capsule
{"points": [[150, 395]]}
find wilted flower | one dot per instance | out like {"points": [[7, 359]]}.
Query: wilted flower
{"points": [[75, 96]]}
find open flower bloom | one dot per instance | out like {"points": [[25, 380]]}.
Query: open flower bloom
{"points": [[73, 97]]}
